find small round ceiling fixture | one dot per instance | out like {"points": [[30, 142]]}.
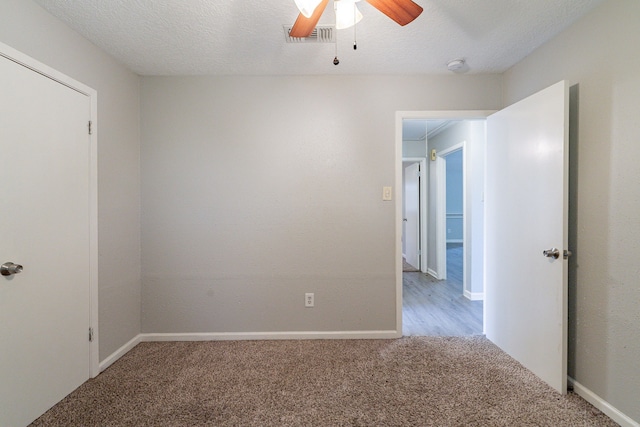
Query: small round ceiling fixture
{"points": [[456, 65]]}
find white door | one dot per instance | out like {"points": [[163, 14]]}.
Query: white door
{"points": [[44, 226], [526, 202], [412, 214]]}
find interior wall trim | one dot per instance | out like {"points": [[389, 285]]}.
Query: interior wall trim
{"points": [[110, 360], [473, 296], [290, 335], [608, 409]]}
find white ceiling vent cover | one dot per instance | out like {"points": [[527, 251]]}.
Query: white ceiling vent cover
{"points": [[321, 34]]}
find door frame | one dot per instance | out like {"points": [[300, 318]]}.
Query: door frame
{"points": [[422, 237], [40, 68], [424, 115], [441, 212]]}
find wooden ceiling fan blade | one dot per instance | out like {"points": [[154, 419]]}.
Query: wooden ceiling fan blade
{"points": [[401, 11], [304, 26]]}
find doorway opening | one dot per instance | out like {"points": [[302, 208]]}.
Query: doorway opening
{"points": [[443, 295], [526, 180], [450, 208], [414, 214]]}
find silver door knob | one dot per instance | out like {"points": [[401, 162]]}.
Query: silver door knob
{"points": [[551, 253], [9, 268]]}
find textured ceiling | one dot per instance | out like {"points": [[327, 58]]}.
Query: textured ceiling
{"points": [[214, 37]]}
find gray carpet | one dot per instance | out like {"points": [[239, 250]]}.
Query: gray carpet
{"points": [[414, 381]]}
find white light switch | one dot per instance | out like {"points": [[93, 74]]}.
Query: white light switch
{"points": [[386, 193]]}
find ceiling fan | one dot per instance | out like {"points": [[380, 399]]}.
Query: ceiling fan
{"points": [[347, 14]]}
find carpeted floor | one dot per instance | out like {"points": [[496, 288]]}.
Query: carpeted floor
{"points": [[414, 381]]}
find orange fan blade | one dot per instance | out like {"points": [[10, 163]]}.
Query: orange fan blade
{"points": [[401, 11], [304, 26]]}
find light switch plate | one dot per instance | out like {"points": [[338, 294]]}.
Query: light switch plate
{"points": [[387, 194]]}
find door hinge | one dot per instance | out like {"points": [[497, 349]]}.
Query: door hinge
{"points": [[90, 130], [90, 334]]}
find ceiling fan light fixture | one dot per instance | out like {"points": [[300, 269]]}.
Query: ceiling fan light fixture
{"points": [[306, 7], [347, 13]]}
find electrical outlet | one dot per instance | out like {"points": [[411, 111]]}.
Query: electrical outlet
{"points": [[308, 300]]}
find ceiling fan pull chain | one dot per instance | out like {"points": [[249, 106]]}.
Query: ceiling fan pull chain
{"points": [[335, 59], [355, 42]]}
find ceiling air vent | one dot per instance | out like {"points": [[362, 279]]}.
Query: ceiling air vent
{"points": [[321, 34]]}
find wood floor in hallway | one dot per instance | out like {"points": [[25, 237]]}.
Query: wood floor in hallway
{"points": [[433, 307]]}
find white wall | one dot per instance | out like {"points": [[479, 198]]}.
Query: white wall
{"points": [[600, 55], [28, 28], [259, 189]]}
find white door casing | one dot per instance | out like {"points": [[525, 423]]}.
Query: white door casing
{"points": [[412, 214], [48, 224], [440, 165], [423, 115], [441, 211], [526, 199]]}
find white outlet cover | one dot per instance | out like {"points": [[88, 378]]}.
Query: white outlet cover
{"points": [[309, 300]]}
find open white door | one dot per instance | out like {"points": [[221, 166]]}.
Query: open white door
{"points": [[412, 214], [526, 200]]}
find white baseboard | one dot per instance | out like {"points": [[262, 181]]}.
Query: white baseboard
{"points": [[473, 296], [608, 409], [432, 273], [244, 336], [120, 352]]}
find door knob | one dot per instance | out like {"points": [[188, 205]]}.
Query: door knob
{"points": [[551, 253], [9, 268]]}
